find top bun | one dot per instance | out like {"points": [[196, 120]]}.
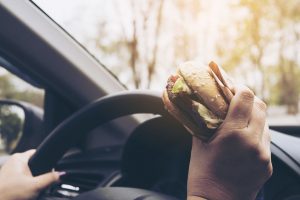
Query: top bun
{"points": [[200, 79]]}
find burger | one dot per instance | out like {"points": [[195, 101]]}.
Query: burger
{"points": [[198, 96]]}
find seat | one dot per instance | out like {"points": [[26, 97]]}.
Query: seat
{"points": [[156, 157]]}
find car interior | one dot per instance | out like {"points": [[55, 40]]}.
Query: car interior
{"points": [[112, 142]]}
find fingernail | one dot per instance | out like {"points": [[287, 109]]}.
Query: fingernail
{"points": [[60, 174]]}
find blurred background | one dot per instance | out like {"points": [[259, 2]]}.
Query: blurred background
{"points": [[142, 41]]}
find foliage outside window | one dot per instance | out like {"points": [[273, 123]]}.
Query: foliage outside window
{"points": [[11, 87], [142, 41]]}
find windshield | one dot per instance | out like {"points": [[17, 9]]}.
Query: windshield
{"points": [[142, 42]]}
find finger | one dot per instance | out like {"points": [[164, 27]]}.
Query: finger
{"points": [[267, 137], [258, 116], [266, 142], [45, 180], [240, 108], [25, 156], [29, 153]]}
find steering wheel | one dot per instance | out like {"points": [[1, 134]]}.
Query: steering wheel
{"points": [[71, 130]]}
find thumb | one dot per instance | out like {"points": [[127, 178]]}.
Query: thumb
{"points": [[44, 180]]}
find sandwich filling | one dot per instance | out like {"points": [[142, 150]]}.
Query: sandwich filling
{"points": [[184, 97]]}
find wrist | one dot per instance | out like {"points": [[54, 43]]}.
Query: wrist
{"points": [[206, 189]]}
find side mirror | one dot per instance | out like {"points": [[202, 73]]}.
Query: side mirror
{"points": [[21, 126], [11, 127]]}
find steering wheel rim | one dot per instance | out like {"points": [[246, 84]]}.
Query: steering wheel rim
{"points": [[103, 110]]}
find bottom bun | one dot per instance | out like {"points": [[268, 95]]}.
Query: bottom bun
{"points": [[198, 130]]}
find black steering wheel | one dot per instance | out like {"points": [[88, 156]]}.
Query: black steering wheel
{"points": [[68, 133]]}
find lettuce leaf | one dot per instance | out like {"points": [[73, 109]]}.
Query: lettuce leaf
{"points": [[181, 86], [211, 120]]}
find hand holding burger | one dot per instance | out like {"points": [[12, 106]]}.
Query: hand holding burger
{"points": [[198, 96], [231, 157]]}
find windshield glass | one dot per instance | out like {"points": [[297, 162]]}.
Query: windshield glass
{"points": [[142, 42]]}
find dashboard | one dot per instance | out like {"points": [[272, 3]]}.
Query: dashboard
{"points": [[156, 156]]}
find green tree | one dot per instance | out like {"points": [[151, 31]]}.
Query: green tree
{"points": [[8, 90], [250, 42], [10, 127], [185, 40], [135, 43], [267, 23], [287, 15]]}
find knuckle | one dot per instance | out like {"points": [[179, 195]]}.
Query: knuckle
{"points": [[261, 105], [268, 171], [239, 123], [246, 94], [264, 158], [254, 150], [235, 135], [260, 155]]}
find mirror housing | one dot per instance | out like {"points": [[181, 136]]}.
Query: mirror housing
{"points": [[32, 127]]}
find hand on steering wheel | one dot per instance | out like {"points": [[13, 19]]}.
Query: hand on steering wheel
{"points": [[17, 182]]}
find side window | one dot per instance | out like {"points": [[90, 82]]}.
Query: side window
{"points": [[142, 42], [12, 116], [12, 87]]}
